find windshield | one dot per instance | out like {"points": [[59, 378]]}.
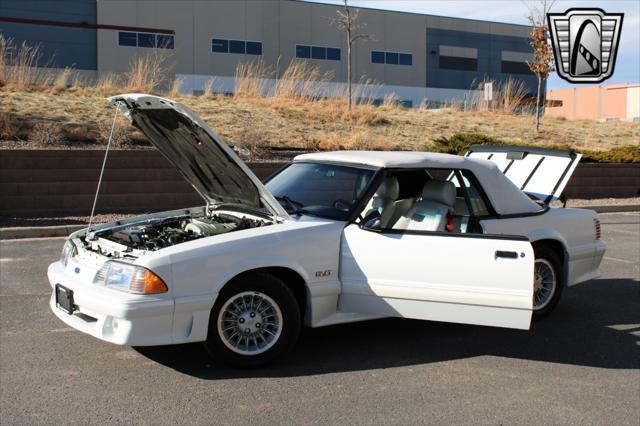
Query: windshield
{"points": [[321, 190]]}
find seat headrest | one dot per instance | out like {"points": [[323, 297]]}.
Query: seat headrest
{"points": [[389, 189], [440, 191]]}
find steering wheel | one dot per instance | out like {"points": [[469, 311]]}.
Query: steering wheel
{"points": [[341, 204]]}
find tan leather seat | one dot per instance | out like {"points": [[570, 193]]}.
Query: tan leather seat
{"points": [[383, 201], [430, 212]]}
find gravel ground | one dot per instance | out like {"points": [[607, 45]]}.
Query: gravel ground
{"points": [[7, 222]]}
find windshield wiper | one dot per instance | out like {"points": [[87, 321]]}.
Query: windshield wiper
{"points": [[295, 206]]}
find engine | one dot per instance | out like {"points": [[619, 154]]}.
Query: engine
{"points": [[154, 235]]}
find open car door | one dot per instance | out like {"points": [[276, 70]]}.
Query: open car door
{"points": [[539, 172], [462, 278]]}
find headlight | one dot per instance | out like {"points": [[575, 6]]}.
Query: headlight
{"points": [[68, 251], [129, 278]]}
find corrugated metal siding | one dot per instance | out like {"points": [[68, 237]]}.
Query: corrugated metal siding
{"points": [[67, 46]]}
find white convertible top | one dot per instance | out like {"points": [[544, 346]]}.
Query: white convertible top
{"points": [[505, 197]]}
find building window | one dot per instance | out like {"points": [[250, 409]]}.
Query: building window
{"points": [[406, 59], [458, 63], [164, 41], [458, 58], [391, 58], [318, 52], [377, 57], [149, 40], [219, 45], [239, 47], [127, 39], [146, 40], [512, 67], [406, 103], [303, 51], [254, 48], [333, 53]]}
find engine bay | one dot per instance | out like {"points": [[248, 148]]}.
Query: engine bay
{"points": [[134, 239]]}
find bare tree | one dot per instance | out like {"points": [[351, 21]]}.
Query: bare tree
{"points": [[542, 63], [347, 20]]}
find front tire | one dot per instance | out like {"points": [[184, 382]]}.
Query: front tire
{"points": [[255, 320], [548, 281]]}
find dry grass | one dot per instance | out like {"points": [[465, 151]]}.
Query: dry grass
{"points": [[208, 88], [46, 133], [508, 97], [176, 86], [147, 72], [301, 81], [18, 68], [298, 110], [251, 80], [120, 134], [306, 124], [62, 80]]}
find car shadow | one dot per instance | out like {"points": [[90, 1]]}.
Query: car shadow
{"points": [[594, 326]]}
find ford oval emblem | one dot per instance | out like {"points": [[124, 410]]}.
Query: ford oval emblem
{"points": [[77, 270]]}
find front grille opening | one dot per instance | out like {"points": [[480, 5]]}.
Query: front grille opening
{"points": [[85, 317]]}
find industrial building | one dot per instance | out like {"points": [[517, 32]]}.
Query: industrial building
{"points": [[416, 56], [612, 102]]}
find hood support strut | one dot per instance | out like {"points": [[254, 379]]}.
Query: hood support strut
{"points": [[104, 163]]}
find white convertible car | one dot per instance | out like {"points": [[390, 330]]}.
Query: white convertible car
{"points": [[331, 238]]}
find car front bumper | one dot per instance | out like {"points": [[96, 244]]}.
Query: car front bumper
{"points": [[111, 315]]}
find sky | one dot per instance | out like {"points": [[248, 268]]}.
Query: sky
{"points": [[627, 68]]}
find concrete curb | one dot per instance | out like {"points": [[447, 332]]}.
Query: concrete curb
{"points": [[65, 230], [38, 231]]}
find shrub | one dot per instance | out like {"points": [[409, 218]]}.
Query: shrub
{"points": [[255, 141], [46, 133], [120, 136], [8, 129], [623, 154], [460, 143]]}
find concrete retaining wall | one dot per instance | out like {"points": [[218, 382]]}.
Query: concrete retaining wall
{"points": [[53, 182], [591, 180]]}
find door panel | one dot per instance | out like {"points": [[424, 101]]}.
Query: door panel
{"points": [[437, 277]]}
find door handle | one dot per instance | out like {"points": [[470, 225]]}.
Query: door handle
{"points": [[506, 254]]}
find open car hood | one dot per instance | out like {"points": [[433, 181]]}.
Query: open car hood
{"points": [[205, 161], [542, 173]]}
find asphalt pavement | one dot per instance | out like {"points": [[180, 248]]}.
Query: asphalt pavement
{"points": [[580, 365]]}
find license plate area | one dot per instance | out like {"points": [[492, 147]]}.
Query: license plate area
{"points": [[64, 299]]}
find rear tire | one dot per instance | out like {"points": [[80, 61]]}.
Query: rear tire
{"points": [[255, 320], [548, 281]]}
